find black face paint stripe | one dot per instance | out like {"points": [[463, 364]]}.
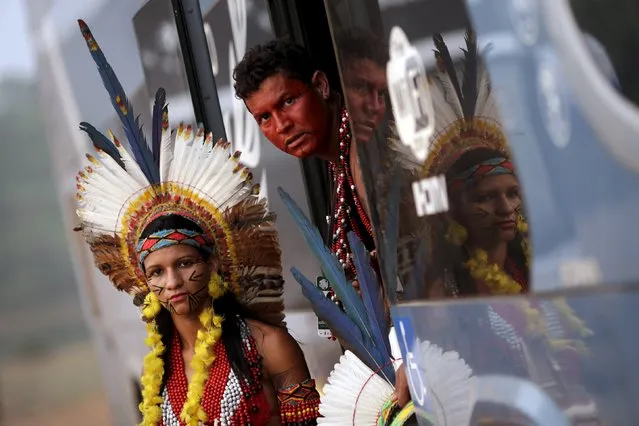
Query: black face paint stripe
{"points": [[481, 214], [157, 289], [197, 277]]}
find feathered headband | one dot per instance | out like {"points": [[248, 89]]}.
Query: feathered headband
{"points": [[465, 109], [185, 173]]}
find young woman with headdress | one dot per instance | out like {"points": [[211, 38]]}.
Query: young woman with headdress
{"points": [[180, 227], [480, 246]]}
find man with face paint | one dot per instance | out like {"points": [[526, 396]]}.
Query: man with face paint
{"points": [[296, 110], [182, 229]]}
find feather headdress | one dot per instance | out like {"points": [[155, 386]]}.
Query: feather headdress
{"points": [[186, 173], [466, 114]]}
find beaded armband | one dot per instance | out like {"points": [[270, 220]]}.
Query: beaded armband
{"points": [[299, 404]]}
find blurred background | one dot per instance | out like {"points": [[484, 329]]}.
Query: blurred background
{"points": [[72, 348], [49, 373]]}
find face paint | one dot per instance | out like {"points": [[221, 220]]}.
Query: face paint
{"points": [[489, 209], [292, 115], [179, 276]]}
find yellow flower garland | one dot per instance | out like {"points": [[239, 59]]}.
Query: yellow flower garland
{"points": [[192, 412], [207, 337], [153, 365], [499, 282]]}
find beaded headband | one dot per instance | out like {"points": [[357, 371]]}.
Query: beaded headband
{"points": [[490, 167], [465, 119], [171, 237]]}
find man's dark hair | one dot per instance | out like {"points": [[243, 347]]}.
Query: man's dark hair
{"points": [[356, 44], [268, 59]]}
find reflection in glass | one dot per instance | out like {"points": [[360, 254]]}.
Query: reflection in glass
{"points": [[468, 195], [612, 36], [363, 57]]}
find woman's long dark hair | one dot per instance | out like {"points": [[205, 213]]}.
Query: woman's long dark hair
{"points": [[227, 306]]}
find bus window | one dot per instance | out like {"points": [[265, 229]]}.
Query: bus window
{"points": [[435, 168], [428, 162]]}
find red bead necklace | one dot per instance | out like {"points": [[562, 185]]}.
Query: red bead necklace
{"points": [[345, 187], [511, 269], [218, 390]]}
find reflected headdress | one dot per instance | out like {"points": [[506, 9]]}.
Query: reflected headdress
{"points": [[468, 144], [121, 191], [466, 114]]}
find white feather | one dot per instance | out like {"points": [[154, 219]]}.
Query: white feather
{"points": [[449, 380], [354, 394], [132, 167], [228, 186], [167, 145], [180, 141], [194, 157], [204, 161], [106, 167], [95, 185], [240, 194], [182, 165], [446, 105], [216, 179], [107, 187], [216, 159], [486, 101], [166, 153], [101, 202]]}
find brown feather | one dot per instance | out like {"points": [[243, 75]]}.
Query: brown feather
{"points": [[260, 259], [108, 259]]}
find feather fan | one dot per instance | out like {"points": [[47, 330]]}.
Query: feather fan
{"points": [[355, 396]]}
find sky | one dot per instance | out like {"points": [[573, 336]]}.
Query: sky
{"points": [[16, 52]]}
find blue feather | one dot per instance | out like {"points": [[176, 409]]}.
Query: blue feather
{"points": [[371, 291], [356, 316], [137, 141], [344, 328], [156, 138], [102, 142], [330, 265]]}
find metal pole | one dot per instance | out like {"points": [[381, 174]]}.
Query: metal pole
{"points": [[190, 26]]}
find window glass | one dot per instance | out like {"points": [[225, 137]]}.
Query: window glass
{"points": [[612, 35], [427, 163], [429, 160]]}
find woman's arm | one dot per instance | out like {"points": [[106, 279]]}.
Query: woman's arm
{"points": [[285, 367]]}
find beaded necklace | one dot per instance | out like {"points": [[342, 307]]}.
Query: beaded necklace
{"points": [[506, 322], [342, 219], [225, 400]]}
